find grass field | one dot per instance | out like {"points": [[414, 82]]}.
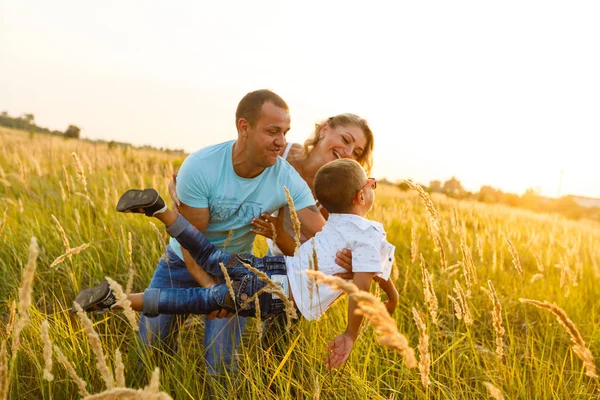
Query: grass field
{"points": [[523, 255]]}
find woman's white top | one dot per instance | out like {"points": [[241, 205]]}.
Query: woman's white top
{"points": [[287, 219]]}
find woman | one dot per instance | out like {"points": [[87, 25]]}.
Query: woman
{"points": [[341, 136]]}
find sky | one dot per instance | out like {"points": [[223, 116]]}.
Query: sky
{"points": [[499, 93]]}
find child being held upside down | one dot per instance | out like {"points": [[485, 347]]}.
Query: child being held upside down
{"points": [[343, 188]]}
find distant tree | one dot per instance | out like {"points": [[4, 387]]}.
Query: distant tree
{"points": [[402, 185], [29, 119], [73, 132], [531, 199], [435, 186], [453, 188], [488, 194]]}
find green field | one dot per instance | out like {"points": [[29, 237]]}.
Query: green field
{"points": [[559, 259]]}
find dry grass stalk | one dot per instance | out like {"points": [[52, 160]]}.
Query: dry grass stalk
{"points": [[228, 281], [538, 261], [81, 384], [433, 215], [273, 288], [129, 285], [11, 317], [258, 317], [77, 216], [536, 277], [456, 306], [3, 222], [580, 347], [154, 385], [497, 317], [294, 218], [494, 392], [25, 296], [440, 248], [45, 336], [424, 356], [80, 173], [414, 245], [3, 372], [69, 253], [63, 194], [119, 369], [130, 278], [313, 265], [274, 232], [373, 310], [461, 297], [128, 394], [514, 254], [96, 346], [62, 232], [479, 247], [159, 235], [429, 296], [67, 184], [406, 273], [230, 236], [469, 271], [130, 249], [124, 303]]}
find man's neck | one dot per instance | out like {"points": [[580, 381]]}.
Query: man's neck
{"points": [[242, 163]]}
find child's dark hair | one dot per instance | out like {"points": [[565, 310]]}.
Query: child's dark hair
{"points": [[337, 183]]}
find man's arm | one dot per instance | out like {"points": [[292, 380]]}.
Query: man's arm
{"points": [[341, 346]]}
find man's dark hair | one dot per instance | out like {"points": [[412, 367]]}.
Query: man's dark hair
{"points": [[250, 106], [337, 183]]}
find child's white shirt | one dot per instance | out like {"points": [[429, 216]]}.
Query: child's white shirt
{"points": [[370, 253]]}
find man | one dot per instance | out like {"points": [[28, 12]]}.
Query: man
{"points": [[221, 189]]}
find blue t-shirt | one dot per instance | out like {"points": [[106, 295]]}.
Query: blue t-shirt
{"points": [[207, 180]]}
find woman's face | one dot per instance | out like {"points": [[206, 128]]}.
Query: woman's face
{"points": [[341, 142]]}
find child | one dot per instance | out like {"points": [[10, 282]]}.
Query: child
{"points": [[343, 188]]}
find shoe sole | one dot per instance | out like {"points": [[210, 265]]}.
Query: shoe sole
{"points": [[91, 297], [134, 199]]}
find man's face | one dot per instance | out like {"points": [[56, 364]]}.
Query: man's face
{"points": [[266, 138]]}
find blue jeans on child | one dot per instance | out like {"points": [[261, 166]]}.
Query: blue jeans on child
{"points": [[197, 300], [221, 336]]}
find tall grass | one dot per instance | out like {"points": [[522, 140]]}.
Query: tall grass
{"points": [[39, 179]]}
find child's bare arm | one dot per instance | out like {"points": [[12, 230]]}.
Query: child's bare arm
{"points": [[390, 290], [341, 346]]}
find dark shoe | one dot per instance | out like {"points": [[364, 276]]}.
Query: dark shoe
{"points": [[146, 201], [100, 297]]}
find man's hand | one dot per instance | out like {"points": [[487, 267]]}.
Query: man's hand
{"points": [[339, 350], [266, 223], [343, 258]]}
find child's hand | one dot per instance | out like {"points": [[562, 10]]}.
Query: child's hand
{"points": [[390, 305], [339, 350]]}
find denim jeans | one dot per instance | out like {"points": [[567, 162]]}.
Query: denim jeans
{"points": [[221, 336], [245, 284]]}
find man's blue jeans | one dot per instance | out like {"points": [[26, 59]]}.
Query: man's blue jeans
{"points": [[221, 336]]}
